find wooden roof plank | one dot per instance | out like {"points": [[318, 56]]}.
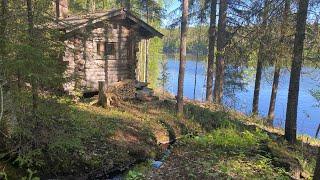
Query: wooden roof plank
{"points": [[74, 24]]}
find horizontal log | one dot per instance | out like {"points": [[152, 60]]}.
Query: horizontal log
{"points": [[93, 65], [118, 73], [109, 71], [121, 39], [97, 73], [117, 64], [110, 30], [92, 74], [97, 69], [112, 79], [124, 68], [116, 60], [109, 66]]}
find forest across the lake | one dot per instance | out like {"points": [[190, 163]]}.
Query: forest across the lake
{"points": [[159, 89]]}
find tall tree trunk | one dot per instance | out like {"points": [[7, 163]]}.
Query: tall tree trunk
{"points": [[147, 47], [91, 6], [261, 56], [64, 8], [316, 175], [277, 67], [30, 20], [57, 9], [255, 104], [272, 105], [221, 45], [34, 82], [126, 4], [3, 26], [195, 77], [212, 41], [293, 95], [183, 56], [147, 60]]}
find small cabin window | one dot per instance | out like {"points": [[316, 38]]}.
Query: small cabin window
{"points": [[110, 49], [100, 48]]}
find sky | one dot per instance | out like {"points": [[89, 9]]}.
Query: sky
{"points": [[170, 5]]}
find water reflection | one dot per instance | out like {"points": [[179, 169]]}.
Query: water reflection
{"points": [[240, 96]]}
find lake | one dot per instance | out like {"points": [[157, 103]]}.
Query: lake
{"points": [[308, 113]]}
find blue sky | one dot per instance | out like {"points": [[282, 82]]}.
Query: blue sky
{"points": [[170, 5]]}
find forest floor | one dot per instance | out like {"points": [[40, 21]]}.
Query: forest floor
{"points": [[83, 141], [233, 146]]}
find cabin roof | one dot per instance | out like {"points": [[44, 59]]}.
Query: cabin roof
{"points": [[76, 22]]}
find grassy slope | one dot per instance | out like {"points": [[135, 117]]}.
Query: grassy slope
{"points": [[235, 146], [84, 140], [80, 139]]}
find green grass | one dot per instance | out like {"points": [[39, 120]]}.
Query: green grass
{"points": [[225, 152], [232, 149], [70, 138], [79, 139]]}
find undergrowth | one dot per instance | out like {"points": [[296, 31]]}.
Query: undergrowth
{"points": [[79, 139], [226, 152], [232, 149], [68, 138]]}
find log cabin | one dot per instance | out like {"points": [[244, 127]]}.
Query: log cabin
{"points": [[102, 46]]}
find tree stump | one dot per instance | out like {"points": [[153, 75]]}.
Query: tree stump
{"points": [[102, 101]]}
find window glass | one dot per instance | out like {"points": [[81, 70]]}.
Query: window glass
{"points": [[98, 48], [110, 49]]}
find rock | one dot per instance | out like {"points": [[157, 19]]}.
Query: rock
{"points": [[157, 164]]}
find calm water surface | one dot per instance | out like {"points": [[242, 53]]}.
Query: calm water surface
{"points": [[308, 113]]}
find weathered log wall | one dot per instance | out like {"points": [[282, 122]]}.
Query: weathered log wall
{"points": [[87, 66]]}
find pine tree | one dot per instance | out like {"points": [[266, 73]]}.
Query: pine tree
{"points": [[293, 95], [221, 45], [212, 42], [277, 69], [261, 56], [183, 56]]}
